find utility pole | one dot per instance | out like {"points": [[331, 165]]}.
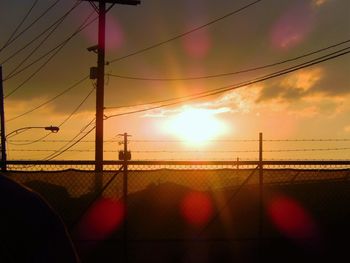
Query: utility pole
{"points": [[101, 10], [2, 121], [261, 196], [125, 197], [125, 156]]}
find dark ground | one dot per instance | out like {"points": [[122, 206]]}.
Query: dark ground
{"points": [[316, 215]]}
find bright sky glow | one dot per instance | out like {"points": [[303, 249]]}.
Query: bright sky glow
{"points": [[196, 126], [305, 104]]}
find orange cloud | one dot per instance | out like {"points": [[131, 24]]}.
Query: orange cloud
{"points": [[318, 3], [347, 128], [303, 80]]}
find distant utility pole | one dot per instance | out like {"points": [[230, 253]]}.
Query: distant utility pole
{"points": [[2, 122], [126, 157], [100, 72]]}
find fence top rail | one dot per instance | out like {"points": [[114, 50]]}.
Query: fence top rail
{"points": [[237, 162]]}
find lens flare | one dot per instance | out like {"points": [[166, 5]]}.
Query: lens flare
{"points": [[197, 208], [198, 44], [292, 27], [102, 219], [291, 219]]}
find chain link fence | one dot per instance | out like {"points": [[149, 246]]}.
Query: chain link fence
{"points": [[178, 209]]}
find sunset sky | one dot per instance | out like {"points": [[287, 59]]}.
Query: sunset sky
{"points": [[261, 39]]}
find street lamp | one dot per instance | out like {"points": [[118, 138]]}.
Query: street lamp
{"points": [[53, 129]]}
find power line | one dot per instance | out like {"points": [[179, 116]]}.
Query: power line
{"points": [[66, 147], [185, 33], [61, 20], [50, 100], [20, 24], [69, 147], [59, 48], [38, 36], [41, 139], [30, 25], [230, 73], [78, 107], [240, 85]]}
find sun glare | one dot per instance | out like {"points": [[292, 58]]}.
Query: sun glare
{"points": [[196, 125]]}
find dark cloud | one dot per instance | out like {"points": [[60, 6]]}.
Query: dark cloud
{"points": [[269, 92], [335, 81], [238, 42], [278, 91]]}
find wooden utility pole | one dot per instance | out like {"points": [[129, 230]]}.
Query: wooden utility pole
{"points": [[261, 196], [2, 121], [101, 10], [100, 86]]}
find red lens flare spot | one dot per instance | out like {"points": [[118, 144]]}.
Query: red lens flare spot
{"points": [[291, 219], [115, 37], [102, 219], [114, 31], [197, 208], [292, 27], [198, 44]]}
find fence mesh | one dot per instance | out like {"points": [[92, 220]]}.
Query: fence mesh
{"points": [[171, 204]]}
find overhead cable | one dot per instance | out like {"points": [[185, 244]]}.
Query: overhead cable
{"points": [[217, 91], [46, 11], [72, 142], [230, 73], [19, 25], [50, 100], [185, 33], [24, 46], [60, 47], [13, 71], [41, 139], [57, 48]]}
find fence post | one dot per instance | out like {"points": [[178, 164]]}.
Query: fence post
{"points": [[126, 158], [261, 196]]}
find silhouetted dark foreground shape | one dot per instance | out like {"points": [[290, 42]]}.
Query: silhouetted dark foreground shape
{"points": [[30, 230]]}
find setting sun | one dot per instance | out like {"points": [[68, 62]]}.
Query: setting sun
{"points": [[196, 125]]}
